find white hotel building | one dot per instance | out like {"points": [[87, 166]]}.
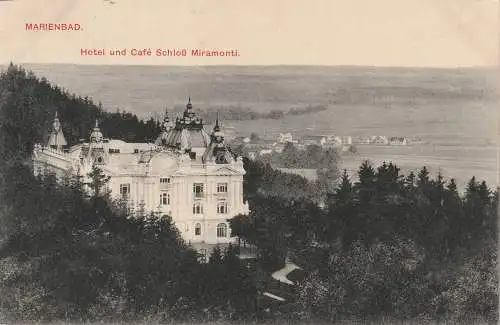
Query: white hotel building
{"points": [[187, 173]]}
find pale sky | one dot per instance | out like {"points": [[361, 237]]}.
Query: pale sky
{"points": [[422, 33]]}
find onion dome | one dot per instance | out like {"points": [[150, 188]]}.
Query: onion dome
{"points": [[187, 133]]}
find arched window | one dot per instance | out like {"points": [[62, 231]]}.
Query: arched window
{"points": [[197, 229], [197, 208], [221, 230], [164, 198]]}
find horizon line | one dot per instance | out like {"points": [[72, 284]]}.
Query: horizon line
{"points": [[344, 66]]}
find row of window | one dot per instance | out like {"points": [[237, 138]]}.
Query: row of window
{"points": [[197, 207], [197, 190], [221, 230], [197, 187], [222, 208]]}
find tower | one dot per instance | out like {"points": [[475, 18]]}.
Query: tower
{"points": [[166, 125], [97, 153], [189, 113], [96, 135], [56, 139]]}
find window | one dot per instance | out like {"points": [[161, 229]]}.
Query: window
{"points": [[221, 187], [197, 229], [221, 230], [198, 190], [197, 208], [125, 191], [164, 198], [222, 207], [136, 150], [165, 180]]}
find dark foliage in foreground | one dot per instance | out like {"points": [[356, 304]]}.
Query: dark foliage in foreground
{"points": [[387, 245], [408, 247], [69, 256]]}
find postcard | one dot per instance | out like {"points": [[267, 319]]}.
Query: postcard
{"points": [[249, 162]]}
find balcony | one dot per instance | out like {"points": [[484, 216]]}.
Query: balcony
{"points": [[222, 194], [165, 186]]}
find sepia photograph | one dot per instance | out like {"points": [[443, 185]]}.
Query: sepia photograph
{"points": [[208, 181]]}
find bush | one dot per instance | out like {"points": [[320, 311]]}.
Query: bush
{"points": [[474, 290], [367, 282]]}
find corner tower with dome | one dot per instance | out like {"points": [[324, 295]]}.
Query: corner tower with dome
{"points": [[187, 173]]}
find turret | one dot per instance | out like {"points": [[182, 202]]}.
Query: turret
{"points": [[217, 136], [97, 153], [166, 125], [56, 138], [217, 151], [96, 135], [189, 113]]}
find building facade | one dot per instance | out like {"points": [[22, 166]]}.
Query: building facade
{"points": [[188, 173]]}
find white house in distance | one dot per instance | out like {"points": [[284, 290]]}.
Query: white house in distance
{"points": [[398, 141], [379, 140], [331, 141], [285, 137], [187, 173]]}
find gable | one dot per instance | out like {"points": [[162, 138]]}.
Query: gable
{"points": [[221, 170], [225, 170]]}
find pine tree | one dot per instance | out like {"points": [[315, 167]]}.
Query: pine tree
{"points": [[452, 186], [344, 191], [410, 180], [366, 174], [337, 221], [423, 177], [484, 194], [98, 183]]}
